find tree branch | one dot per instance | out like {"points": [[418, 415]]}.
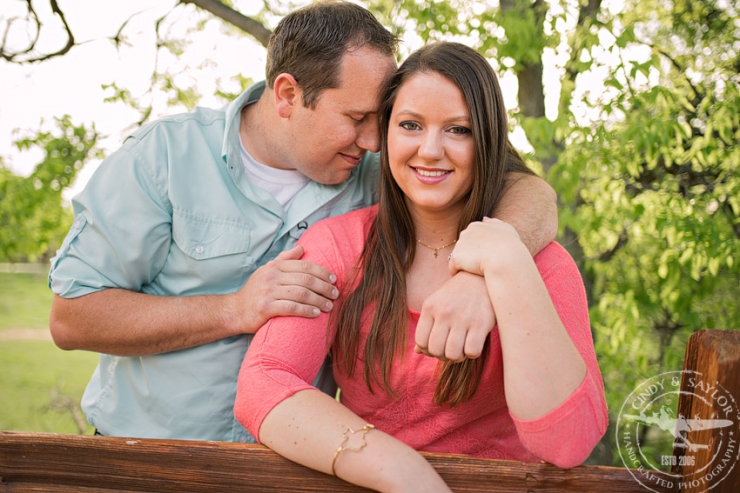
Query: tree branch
{"points": [[681, 70], [226, 13], [32, 45], [13, 57]]}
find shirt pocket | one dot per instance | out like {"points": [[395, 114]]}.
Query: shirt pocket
{"points": [[209, 255]]}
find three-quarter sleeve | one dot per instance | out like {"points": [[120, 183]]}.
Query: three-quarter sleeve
{"points": [[566, 435], [287, 352]]}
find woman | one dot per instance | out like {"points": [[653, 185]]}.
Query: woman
{"points": [[535, 392]]}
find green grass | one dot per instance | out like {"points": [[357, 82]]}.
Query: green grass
{"points": [[39, 382], [25, 301]]}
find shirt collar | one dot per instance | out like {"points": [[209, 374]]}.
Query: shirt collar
{"points": [[233, 116]]}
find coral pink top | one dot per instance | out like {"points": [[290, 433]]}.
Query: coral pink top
{"points": [[287, 352]]}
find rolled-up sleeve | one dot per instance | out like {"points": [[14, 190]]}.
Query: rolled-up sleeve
{"points": [[122, 228]]}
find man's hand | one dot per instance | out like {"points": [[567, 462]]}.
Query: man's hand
{"points": [[455, 321], [284, 286]]}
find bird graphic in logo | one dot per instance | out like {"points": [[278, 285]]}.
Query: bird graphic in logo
{"points": [[679, 426]]}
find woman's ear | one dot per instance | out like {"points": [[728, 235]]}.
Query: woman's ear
{"points": [[287, 94]]}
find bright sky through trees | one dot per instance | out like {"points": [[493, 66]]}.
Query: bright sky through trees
{"points": [[72, 84]]}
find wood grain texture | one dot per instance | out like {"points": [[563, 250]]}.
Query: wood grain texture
{"points": [[710, 389], [31, 462]]}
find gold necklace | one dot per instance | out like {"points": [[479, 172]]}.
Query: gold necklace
{"points": [[436, 250]]}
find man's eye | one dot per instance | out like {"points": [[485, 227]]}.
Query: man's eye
{"points": [[357, 118], [409, 125]]}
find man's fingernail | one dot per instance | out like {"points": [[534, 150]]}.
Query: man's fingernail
{"points": [[316, 312], [332, 278], [335, 292], [329, 305]]}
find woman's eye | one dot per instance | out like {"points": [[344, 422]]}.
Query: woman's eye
{"points": [[459, 130], [409, 125]]}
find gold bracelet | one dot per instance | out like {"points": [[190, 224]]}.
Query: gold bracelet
{"points": [[345, 437]]}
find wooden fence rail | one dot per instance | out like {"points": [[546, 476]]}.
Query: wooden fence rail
{"points": [[51, 463]]}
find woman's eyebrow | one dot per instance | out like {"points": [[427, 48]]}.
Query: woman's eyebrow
{"points": [[414, 114]]}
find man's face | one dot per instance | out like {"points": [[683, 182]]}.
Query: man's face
{"points": [[329, 140]]}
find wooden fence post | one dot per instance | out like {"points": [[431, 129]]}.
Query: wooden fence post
{"points": [[709, 413]]}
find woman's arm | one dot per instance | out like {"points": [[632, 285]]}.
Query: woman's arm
{"points": [[551, 377], [309, 428], [277, 404], [530, 205]]}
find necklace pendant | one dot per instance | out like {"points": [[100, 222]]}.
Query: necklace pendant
{"points": [[435, 250]]}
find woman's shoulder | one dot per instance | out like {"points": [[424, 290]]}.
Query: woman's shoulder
{"points": [[554, 256], [357, 220], [345, 233]]}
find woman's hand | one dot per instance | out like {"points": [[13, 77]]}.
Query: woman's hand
{"points": [[485, 246], [456, 319]]}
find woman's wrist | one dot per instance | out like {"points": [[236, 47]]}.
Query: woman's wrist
{"points": [[507, 259]]}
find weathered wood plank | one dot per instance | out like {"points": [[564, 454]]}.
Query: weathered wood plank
{"points": [[53, 488], [31, 462], [710, 389]]}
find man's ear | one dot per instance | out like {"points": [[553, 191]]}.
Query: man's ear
{"points": [[287, 94]]}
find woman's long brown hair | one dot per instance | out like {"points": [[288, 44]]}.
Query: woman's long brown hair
{"points": [[379, 284]]}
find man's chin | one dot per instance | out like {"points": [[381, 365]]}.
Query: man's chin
{"points": [[334, 178]]}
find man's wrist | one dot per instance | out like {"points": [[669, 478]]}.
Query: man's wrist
{"points": [[226, 306]]}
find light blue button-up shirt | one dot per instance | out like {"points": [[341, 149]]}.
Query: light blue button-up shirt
{"points": [[172, 213]]}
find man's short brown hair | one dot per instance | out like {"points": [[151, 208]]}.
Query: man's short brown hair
{"points": [[309, 44]]}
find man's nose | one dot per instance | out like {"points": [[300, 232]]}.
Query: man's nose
{"points": [[368, 137]]}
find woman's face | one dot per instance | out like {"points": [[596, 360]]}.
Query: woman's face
{"points": [[430, 144]]}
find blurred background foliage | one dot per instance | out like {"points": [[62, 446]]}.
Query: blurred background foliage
{"points": [[631, 109]]}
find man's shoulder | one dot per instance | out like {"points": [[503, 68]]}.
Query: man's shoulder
{"points": [[194, 122], [369, 166], [364, 179]]}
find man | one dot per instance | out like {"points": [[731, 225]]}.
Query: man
{"points": [[183, 239]]}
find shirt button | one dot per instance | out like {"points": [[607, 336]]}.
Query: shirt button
{"points": [[243, 439], [199, 249]]}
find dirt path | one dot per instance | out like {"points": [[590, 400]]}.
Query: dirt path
{"points": [[25, 335]]}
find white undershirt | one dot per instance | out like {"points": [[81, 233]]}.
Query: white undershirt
{"points": [[283, 184]]}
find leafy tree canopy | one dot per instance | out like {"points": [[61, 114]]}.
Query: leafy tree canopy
{"points": [[31, 213]]}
